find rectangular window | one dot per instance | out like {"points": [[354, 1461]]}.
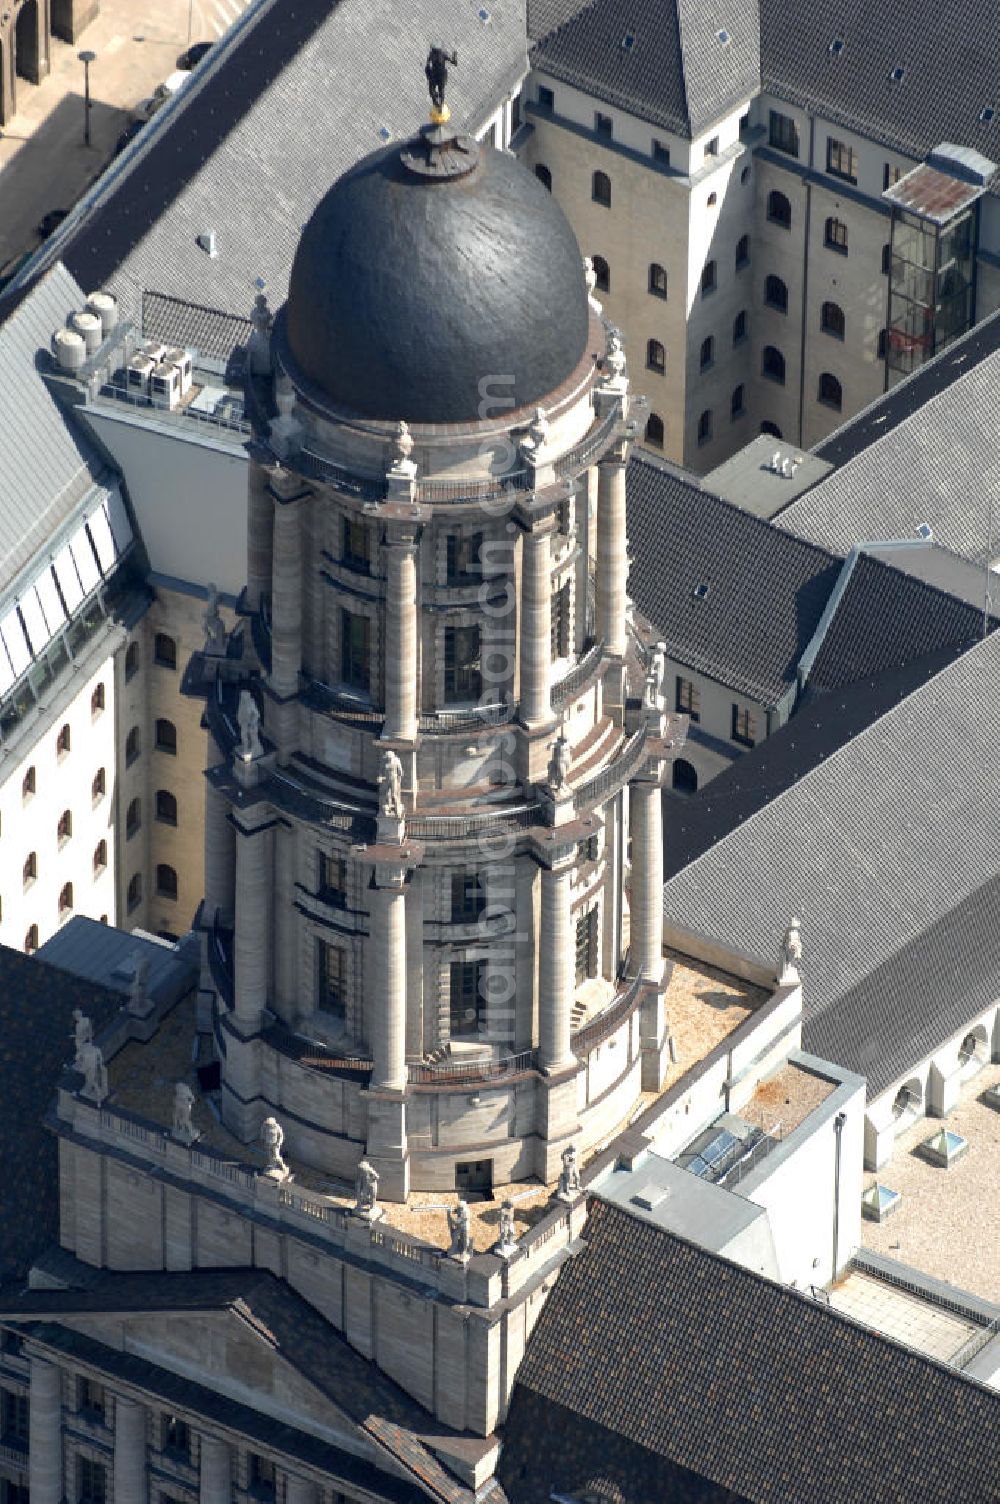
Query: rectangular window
{"points": [[661, 153], [588, 850], [744, 726], [841, 160], [357, 545], [332, 880], [783, 133], [13, 1493], [586, 946], [92, 1482], [176, 1435], [890, 176], [15, 1419], [355, 648], [462, 676], [467, 1004], [468, 897], [603, 125], [546, 99], [90, 1399], [559, 626], [688, 700], [330, 961], [261, 1480], [464, 558], [712, 147]]}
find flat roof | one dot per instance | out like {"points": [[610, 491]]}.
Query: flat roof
{"points": [[752, 479], [932, 194], [902, 1315]]}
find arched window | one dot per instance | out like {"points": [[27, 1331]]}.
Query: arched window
{"points": [[773, 364], [771, 428], [30, 869], [543, 175], [745, 176], [166, 737], [66, 898], [684, 778], [166, 881], [705, 426], [656, 356], [133, 746], [166, 807], [835, 235], [831, 393], [63, 740], [657, 280], [28, 783], [742, 252], [65, 827], [133, 818], [886, 259], [31, 940], [779, 210], [707, 354], [740, 327], [99, 786], [164, 650], [600, 189], [831, 320], [131, 660], [97, 701], [776, 294], [133, 897], [602, 272], [737, 402], [100, 857], [654, 431], [708, 278]]}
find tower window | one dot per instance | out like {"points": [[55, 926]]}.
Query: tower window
{"points": [[332, 880], [31, 940], [586, 946], [100, 857], [600, 189], [332, 974], [657, 280], [462, 672], [708, 279], [779, 210], [164, 650], [468, 897], [705, 426], [740, 327], [707, 355], [97, 701], [166, 881], [773, 365], [831, 320], [835, 235], [543, 175], [133, 819], [66, 899], [737, 403], [464, 561], [602, 272], [355, 650], [63, 741], [28, 783], [654, 431], [166, 807], [133, 897], [559, 634], [64, 829], [776, 293], [831, 393], [742, 252], [656, 356], [133, 746], [356, 550], [467, 1006], [99, 786], [166, 737], [131, 661], [30, 869]]}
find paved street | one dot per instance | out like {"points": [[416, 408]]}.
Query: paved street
{"points": [[44, 163]]}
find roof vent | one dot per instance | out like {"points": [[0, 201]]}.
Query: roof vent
{"points": [[836, 47], [700, 591], [924, 530], [879, 1201], [943, 1148], [207, 242], [628, 41], [384, 133], [897, 74], [724, 37], [485, 16]]}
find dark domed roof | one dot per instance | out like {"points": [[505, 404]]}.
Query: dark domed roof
{"points": [[411, 285]]}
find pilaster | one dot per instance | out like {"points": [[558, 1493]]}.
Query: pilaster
{"points": [[251, 945], [401, 665], [260, 528], [286, 618], [215, 1472], [536, 626], [556, 966], [130, 1475], [612, 549], [45, 1454]]}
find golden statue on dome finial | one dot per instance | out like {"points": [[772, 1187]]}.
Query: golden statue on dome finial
{"points": [[436, 72]]}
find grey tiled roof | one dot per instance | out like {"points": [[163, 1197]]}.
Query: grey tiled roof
{"points": [[675, 71], [699, 1365], [871, 848], [47, 467], [175, 321], [906, 461], [948, 49], [766, 591], [288, 102]]}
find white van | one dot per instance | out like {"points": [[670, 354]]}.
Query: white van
{"points": [[147, 108]]}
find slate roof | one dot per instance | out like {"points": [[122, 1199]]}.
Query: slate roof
{"points": [[300, 1336], [948, 49], [47, 466], [675, 72], [36, 1029], [697, 1362], [766, 592], [286, 103], [871, 848], [925, 453]]}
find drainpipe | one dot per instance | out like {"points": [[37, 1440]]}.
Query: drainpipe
{"points": [[838, 1128], [805, 280]]}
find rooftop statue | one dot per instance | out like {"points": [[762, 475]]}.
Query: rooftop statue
{"points": [[436, 72]]}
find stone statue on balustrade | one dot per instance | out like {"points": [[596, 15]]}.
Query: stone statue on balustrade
{"points": [[272, 1136], [569, 1180], [559, 765], [215, 628], [248, 717], [507, 1244], [460, 1227], [590, 277], [791, 955], [83, 1034], [616, 356], [90, 1063], [183, 1129], [138, 992], [390, 785], [366, 1192]]}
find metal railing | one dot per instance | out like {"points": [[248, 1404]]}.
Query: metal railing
{"points": [[455, 827], [745, 1162], [577, 676], [439, 1073], [591, 445], [212, 420], [612, 778], [606, 1022], [440, 722]]}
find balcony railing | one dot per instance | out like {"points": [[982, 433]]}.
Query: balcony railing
{"points": [[441, 1072], [612, 778], [577, 676], [604, 1025]]}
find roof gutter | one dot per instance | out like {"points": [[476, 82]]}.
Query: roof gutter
{"points": [[809, 654]]}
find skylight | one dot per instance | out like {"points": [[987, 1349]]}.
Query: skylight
{"points": [[700, 591], [924, 530], [628, 41], [724, 37], [987, 115], [897, 75], [836, 46]]}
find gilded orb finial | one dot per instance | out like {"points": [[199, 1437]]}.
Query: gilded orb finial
{"points": [[436, 71]]}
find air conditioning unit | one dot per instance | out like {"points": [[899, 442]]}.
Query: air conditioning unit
{"points": [[165, 385], [137, 374], [181, 359]]}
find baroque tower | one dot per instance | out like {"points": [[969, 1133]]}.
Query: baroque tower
{"points": [[433, 741]]}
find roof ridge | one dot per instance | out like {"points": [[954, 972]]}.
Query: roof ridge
{"points": [[927, 585]]}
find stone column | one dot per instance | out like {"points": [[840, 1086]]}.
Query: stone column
{"points": [[646, 908], [45, 1454], [250, 947], [220, 858], [215, 1482], [286, 924], [387, 1028], [299, 1490], [536, 628], [401, 693], [130, 1452], [612, 550], [526, 995], [286, 622], [556, 969], [260, 524]]}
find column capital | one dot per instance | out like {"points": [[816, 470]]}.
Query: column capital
{"points": [[286, 487]]}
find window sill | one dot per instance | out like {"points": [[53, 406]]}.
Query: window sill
{"points": [[743, 741], [832, 334], [741, 266], [129, 834], [740, 412], [777, 380], [835, 407], [657, 370], [777, 308], [838, 250], [841, 177], [781, 223], [654, 294], [707, 292]]}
